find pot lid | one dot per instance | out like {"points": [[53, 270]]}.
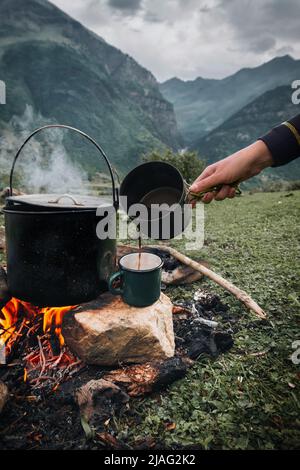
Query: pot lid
{"points": [[60, 201]]}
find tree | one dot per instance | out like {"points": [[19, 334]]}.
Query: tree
{"points": [[187, 162]]}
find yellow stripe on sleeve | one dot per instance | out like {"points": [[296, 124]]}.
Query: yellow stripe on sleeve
{"points": [[293, 130]]}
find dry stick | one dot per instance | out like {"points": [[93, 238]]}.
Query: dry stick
{"points": [[42, 356], [241, 295], [14, 336], [18, 333], [57, 361], [5, 330]]}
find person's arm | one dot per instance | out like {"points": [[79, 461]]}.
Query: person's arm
{"points": [[279, 146], [284, 141]]}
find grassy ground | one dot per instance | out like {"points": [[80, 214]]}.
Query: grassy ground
{"points": [[240, 401]]}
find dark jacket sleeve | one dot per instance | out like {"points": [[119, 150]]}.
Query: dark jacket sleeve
{"points": [[284, 141]]}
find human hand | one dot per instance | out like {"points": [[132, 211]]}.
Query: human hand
{"points": [[234, 169]]}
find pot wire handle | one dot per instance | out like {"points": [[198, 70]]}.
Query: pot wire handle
{"points": [[86, 136]]}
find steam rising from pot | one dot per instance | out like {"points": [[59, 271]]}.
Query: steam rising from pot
{"points": [[44, 165]]}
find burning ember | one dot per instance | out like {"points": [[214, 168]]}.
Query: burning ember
{"points": [[38, 333]]}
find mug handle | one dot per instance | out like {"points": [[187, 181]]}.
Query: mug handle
{"points": [[114, 277]]}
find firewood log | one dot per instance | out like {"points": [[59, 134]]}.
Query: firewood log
{"points": [[241, 295]]}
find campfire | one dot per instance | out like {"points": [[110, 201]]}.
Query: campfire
{"points": [[34, 334], [35, 338], [61, 361]]}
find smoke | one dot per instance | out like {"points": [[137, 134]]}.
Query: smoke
{"points": [[43, 165]]}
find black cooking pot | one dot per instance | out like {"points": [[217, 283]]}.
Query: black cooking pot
{"points": [[54, 257]]}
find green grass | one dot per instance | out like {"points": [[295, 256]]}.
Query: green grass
{"points": [[239, 401]]}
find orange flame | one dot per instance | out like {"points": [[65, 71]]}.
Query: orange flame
{"points": [[53, 317], [9, 315], [8, 320]]}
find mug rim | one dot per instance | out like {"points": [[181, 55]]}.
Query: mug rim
{"points": [[123, 268]]}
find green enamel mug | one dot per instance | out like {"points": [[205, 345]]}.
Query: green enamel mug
{"points": [[139, 277]]}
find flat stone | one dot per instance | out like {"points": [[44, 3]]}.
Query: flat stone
{"points": [[109, 332], [3, 395]]}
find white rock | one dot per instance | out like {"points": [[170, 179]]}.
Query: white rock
{"points": [[109, 332]]}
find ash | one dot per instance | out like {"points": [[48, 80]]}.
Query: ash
{"points": [[196, 329]]}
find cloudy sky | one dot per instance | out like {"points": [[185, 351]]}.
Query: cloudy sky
{"points": [[190, 38]]}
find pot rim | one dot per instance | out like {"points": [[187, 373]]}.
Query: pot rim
{"points": [[50, 201], [144, 164], [76, 211]]}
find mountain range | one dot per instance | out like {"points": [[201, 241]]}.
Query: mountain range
{"points": [[56, 70], [202, 105]]}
